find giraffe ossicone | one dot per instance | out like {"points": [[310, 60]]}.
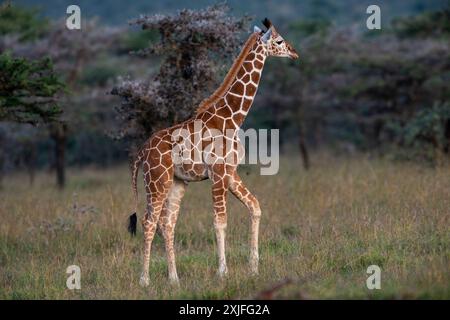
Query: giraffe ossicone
{"points": [[186, 153]]}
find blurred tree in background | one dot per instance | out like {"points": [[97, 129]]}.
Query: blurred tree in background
{"points": [[434, 24], [27, 95], [193, 45], [70, 52], [21, 21], [27, 90], [28, 87], [385, 94]]}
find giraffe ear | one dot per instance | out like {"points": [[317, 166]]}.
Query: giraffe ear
{"points": [[256, 29], [266, 36]]}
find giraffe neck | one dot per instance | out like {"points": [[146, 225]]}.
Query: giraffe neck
{"points": [[239, 98]]}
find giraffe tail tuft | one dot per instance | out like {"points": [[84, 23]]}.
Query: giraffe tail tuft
{"points": [[132, 223], [132, 219]]}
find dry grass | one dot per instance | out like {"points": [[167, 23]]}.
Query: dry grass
{"points": [[321, 228]]}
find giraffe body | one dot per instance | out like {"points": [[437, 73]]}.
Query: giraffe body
{"points": [[185, 153]]}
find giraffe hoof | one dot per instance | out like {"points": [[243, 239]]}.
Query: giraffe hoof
{"points": [[174, 281], [254, 268], [222, 273], [144, 281], [254, 272]]}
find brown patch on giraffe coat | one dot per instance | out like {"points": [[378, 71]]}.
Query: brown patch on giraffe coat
{"points": [[250, 89], [250, 57], [246, 104], [248, 66], [240, 74], [206, 116], [232, 100], [215, 122], [229, 124], [237, 88], [224, 112], [258, 64], [220, 103], [246, 79], [255, 77]]}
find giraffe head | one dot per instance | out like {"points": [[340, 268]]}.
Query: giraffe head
{"points": [[274, 43]]}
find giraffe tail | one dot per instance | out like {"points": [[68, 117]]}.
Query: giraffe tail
{"points": [[132, 219]]}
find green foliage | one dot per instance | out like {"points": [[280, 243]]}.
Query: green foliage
{"points": [[22, 21], [436, 23], [428, 123], [426, 131], [27, 90], [136, 41], [99, 74], [305, 28]]}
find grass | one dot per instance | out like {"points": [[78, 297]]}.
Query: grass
{"points": [[320, 228]]}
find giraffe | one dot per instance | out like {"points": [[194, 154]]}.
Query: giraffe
{"points": [[166, 177]]}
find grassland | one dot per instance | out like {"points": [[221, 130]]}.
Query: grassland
{"points": [[320, 228]]}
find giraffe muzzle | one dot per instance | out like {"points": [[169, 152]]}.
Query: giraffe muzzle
{"points": [[293, 55]]}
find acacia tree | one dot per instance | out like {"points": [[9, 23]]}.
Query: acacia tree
{"points": [[28, 91], [194, 45]]}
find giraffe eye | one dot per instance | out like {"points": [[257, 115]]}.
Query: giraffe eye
{"points": [[279, 42]]}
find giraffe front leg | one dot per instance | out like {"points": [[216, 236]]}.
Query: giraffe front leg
{"points": [[254, 250], [220, 236], [220, 225], [249, 200]]}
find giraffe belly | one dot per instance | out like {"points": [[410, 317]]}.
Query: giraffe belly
{"points": [[191, 172]]}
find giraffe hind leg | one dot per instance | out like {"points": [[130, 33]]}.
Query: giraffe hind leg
{"points": [[155, 202], [167, 222]]}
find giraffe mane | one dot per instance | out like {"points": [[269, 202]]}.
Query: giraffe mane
{"points": [[227, 82]]}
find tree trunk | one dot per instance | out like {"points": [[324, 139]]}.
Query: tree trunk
{"points": [[2, 156], [59, 136], [447, 137], [2, 161], [30, 160], [301, 134], [303, 150]]}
